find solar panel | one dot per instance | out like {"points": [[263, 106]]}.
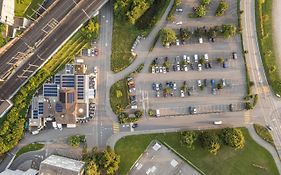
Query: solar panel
{"points": [[41, 108], [58, 107], [35, 114], [80, 87], [57, 79], [68, 81], [70, 97], [50, 90]]}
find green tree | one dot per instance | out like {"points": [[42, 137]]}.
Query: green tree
{"points": [[138, 113], [138, 7], [228, 30], [167, 90], [167, 64], [185, 34], [234, 137], [109, 161], [90, 30], [210, 140], [91, 168], [219, 86], [151, 112], [205, 2], [74, 141], [123, 117], [223, 6], [188, 138], [202, 61], [168, 36], [200, 11], [220, 60]]}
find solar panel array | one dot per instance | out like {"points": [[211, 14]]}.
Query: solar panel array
{"points": [[70, 97], [57, 79], [68, 81], [58, 107], [80, 87], [50, 90], [35, 114], [41, 108]]}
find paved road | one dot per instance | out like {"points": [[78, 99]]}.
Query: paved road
{"points": [[268, 105], [276, 13], [39, 55]]}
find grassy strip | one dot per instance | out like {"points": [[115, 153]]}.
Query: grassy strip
{"points": [[119, 98], [33, 6], [29, 147], [24, 7], [155, 41], [264, 133], [227, 161], [171, 13], [265, 38], [124, 35]]}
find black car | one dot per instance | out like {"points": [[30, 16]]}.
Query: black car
{"points": [[209, 65], [134, 125]]}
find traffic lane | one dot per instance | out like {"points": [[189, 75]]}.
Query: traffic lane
{"points": [[37, 157], [50, 45]]}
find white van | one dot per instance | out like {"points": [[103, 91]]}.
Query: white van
{"points": [[217, 122], [157, 113]]}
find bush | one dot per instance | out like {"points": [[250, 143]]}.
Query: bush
{"points": [[168, 36], [76, 140], [138, 113], [170, 16], [91, 30], [210, 140], [200, 11], [188, 138]]}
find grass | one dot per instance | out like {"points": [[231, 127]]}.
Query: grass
{"points": [[227, 161], [24, 7], [264, 133], [119, 98], [265, 38], [29, 147]]}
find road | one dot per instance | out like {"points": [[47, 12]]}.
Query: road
{"points": [[65, 26], [268, 105]]}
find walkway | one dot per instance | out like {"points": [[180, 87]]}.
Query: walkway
{"points": [[276, 23]]}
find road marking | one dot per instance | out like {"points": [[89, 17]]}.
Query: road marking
{"points": [[247, 117], [115, 127]]}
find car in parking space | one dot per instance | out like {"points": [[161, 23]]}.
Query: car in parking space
{"points": [[199, 83], [177, 42], [223, 82], [156, 69], [182, 93], [269, 127], [174, 86], [95, 69], [160, 86], [184, 58], [154, 86], [206, 57], [192, 66], [157, 87], [225, 64], [134, 125], [209, 65], [214, 91], [196, 58], [230, 107], [157, 93], [213, 82], [185, 68], [217, 122], [179, 10], [160, 69], [188, 59], [234, 55], [199, 67], [192, 110], [178, 67], [164, 70], [153, 69]]}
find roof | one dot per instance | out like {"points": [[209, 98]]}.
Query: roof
{"points": [[4, 107], [54, 165], [19, 172]]}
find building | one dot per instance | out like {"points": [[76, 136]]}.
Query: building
{"points": [[64, 99], [19, 172], [5, 106], [57, 165], [7, 14]]}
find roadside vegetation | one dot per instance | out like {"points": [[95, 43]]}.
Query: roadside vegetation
{"points": [[29, 147], [228, 160], [13, 123], [263, 11], [119, 98], [3, 40], [76, 140], [264, 133], [24, 7], [171, 13], [132, 18]]}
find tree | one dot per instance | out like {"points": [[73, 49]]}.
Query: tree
{"points": [[123, 116], [151, 112], [234, 137], [202, 61], [200, 11], [219, 86], [74, 141], [185, 34], [220, 60], [91, 169], [168, 36], [91, 30], [210, 140], [205, 2], [167, 64], [167, 90], [188, 138], [223, 6], [109, 161], [138, 113], [137, 9], [228, 30]]}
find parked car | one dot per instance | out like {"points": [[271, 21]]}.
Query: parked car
{"points": [[199, 83], [185, 68], [157, 94], [184, 58], [164, 70], [134, 125], [223, 82], [217, 122], [199, 67], [177, 42], [188, 59], [206, 57], [179, 10], [192, 110], [234, 55], [174, 86], [182, 93], [269, 127], [153, 69], [179, 23], [196, 58], [157, 87], [225, 64], [231, 107]]}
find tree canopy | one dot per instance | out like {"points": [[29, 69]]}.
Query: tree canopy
{"points": [[168, 36]]}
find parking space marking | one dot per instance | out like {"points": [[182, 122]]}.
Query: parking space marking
{"points": [[116, 127], [247, 117]]}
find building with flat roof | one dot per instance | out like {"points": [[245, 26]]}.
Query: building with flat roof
{"points": [[7, 14], [19, 172], [58, 165]]}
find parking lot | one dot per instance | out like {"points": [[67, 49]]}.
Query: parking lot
{"points": [[159, 160], [209, 76]]}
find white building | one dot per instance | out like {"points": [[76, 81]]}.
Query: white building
{"points": [[7, 8]]}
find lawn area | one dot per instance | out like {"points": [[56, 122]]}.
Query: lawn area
{"points": [[265, 38], [29, 147], [24, 7], [119, 99], [264, 133], [227, 161]]}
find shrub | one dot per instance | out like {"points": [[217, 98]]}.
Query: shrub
{"points": [[168, 36], [223, 6], [188, 138], [233, 137]]}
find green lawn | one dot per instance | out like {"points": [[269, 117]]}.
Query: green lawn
{"points": [[264, 133], [24, 7], [265, 38], [227, 161], [119, 99], [28, 148]]}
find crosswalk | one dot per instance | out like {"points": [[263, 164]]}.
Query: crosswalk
{"points": [[115, 128], [247, 117], [263, 89]]}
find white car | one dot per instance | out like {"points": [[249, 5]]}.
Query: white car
{"points": [[184, 58], [206, 57], [201, 40], [95, 69], [179, 23], [160, 69], [156, 86], [199, 67], [196, 58], [188, 60], [174, 86], [199, 82], [157, 69], [153, 69], [164, 70], [178, 67], [177, 42], [179, 10], [182, 93], [185, 68]]}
